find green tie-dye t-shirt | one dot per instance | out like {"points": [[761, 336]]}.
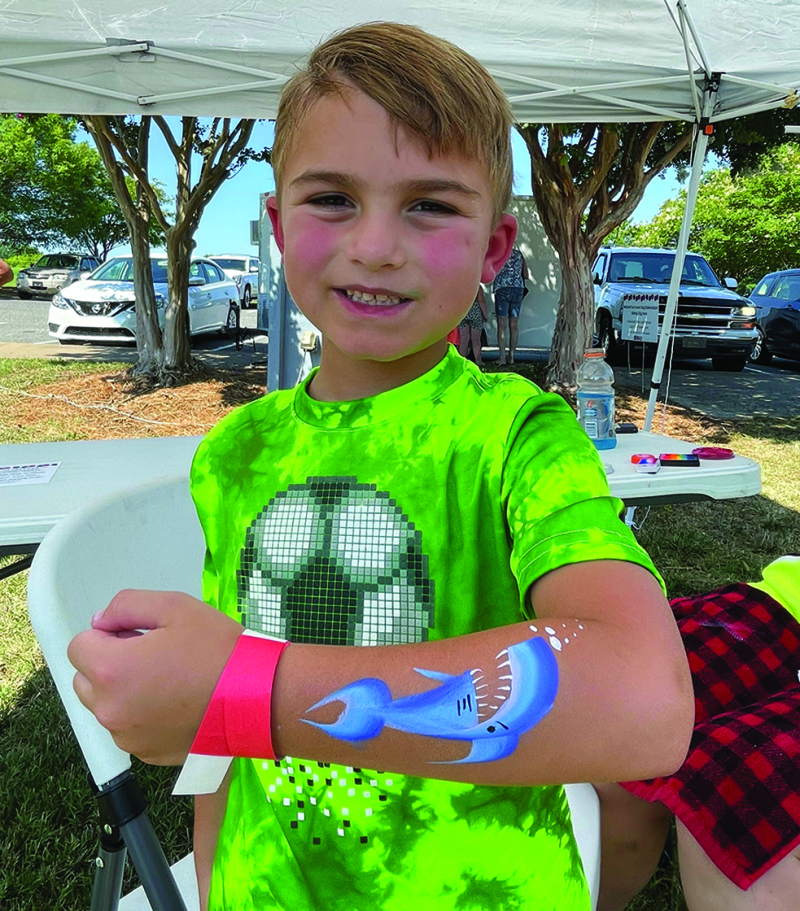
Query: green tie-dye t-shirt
{"points": [[421, 513]]}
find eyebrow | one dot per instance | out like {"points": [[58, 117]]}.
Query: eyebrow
{"points": [[422, 186]]}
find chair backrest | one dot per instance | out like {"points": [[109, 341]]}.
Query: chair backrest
{"points": [[144, 537]]}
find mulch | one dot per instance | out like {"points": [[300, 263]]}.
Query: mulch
{"points": [[108, 406]]}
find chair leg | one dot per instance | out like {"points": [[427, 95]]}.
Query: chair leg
{"points": [[123, 807], [110, 869], [151, 865]]}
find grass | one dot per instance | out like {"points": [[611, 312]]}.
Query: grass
{"points": [[47, 828]]}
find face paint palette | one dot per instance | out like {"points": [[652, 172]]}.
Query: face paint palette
{"points": [[679, 460]]}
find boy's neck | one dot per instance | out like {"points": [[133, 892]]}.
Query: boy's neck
{"points": [[344, 379]]}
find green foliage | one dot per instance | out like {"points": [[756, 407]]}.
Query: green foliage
{"points": [[745, 224], [54, 190]]}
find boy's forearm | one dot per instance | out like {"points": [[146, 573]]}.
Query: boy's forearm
{"points": [[621, 700], [622, 704]]}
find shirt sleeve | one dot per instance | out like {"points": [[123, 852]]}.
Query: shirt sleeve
{"points": [[558, 504]]}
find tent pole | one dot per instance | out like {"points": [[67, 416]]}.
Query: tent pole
{"points": [[680, 254]]}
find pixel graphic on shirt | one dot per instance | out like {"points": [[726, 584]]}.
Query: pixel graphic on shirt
{"points": [[337, 562]]}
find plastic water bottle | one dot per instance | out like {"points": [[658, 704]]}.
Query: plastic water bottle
{"points": [[596, 399]]}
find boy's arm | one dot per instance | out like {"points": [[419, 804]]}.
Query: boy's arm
{"points": [[622, 705], [209, 810]]}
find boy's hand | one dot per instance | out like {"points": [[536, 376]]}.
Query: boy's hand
{"points": [[151, 689]]}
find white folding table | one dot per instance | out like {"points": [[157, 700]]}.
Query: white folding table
{"points": [[90, 468]]}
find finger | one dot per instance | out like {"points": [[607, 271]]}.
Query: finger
{"points": [[134, 609], [83, 690]]}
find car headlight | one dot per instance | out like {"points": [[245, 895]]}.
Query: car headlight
{"points": [[744, 311], [60, 276], [161, 301], [60, 301]]}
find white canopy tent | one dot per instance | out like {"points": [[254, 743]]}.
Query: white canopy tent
{"points": [[558, 60]]}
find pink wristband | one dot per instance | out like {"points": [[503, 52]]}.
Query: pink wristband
{"points": [[237, 721]]}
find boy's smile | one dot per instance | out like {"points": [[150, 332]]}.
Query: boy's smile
{"points": [[383, 246]]}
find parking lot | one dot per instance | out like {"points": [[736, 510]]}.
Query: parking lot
{"points": [[23, 333]]}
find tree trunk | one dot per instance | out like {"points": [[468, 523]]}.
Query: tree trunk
{"points": [[149, 342], [574, 329], [177, 349], [148, 332]]}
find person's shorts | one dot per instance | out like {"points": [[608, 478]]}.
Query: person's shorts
{"points": [[473, 318], [507, 302]]}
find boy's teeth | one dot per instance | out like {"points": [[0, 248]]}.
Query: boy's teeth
{"points": [[362, 297]]}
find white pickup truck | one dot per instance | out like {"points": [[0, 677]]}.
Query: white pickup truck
{"points": [[711, 320]]}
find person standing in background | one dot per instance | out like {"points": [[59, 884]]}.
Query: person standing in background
{"points": [[471, 327], [509, 290], [6, 273]]}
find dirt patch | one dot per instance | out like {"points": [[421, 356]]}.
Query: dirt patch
{"points": [[98, 406]]}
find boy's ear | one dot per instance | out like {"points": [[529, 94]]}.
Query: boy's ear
{"points": [[501, 243], [275, 218]]}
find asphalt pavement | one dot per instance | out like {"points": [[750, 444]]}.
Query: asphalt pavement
{"points": [[23, 334]]}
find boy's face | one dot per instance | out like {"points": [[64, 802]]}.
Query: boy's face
{"points": [[383, 247]]}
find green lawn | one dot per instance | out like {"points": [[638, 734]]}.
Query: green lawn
{"points": [[47, 835]]}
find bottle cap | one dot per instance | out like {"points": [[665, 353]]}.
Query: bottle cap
{"points": [[594, 352]]}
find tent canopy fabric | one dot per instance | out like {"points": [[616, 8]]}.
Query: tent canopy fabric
{"points": [[557, 60]]}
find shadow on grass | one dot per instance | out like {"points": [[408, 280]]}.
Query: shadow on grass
{"points": [[698, 547], [48, 830]]}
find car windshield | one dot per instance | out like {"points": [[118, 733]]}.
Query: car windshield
{"points": [[121, 270], [57, 261], [228, 262], [657, 268]]}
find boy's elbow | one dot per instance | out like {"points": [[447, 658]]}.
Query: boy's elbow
{"points": [[672, 723]]}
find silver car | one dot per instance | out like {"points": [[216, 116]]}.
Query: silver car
{"points": [[101, 308], [52, 272]]}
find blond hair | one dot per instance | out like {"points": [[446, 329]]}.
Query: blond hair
{"points": [[436, 92]]}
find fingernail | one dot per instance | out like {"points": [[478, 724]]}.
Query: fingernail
{"points": [[97, 616]]}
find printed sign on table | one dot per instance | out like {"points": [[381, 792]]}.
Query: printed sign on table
{"points": [[32, 473]]}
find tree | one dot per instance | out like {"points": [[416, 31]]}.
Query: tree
{"points": [[588, 179], [223, 149], [745, 225], [54, 188]]}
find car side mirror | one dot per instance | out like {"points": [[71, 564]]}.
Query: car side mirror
{"points": [[597, 279], [196, 280], [731, 284]]}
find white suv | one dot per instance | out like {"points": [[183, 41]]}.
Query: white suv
{"points": [[244, 271], [52, 272]]}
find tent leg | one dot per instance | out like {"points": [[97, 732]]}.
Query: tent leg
{"points": [[680, 254]]}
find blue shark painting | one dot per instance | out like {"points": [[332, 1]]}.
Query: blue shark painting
{"points": [[450, 710]]}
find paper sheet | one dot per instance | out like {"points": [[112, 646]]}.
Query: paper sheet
{"points": [[32, 473]]}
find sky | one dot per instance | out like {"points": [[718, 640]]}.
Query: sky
{"points": [[225, 225]]}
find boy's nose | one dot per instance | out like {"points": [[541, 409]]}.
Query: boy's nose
{"points": [[376, 242]]}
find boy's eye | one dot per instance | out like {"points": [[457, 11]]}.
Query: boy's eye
{"points": [[433, 207], [330, 201]]}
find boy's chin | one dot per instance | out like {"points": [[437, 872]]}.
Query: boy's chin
{"points": [[392, 354]]}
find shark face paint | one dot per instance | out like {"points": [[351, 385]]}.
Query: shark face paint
{"points": [[450, 711]]}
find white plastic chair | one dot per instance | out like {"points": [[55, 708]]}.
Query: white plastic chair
{"points": [[148, 537]]}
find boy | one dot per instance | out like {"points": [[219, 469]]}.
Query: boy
{"points": [[397, 496]]}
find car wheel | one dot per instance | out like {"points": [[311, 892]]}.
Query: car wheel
{"points": [[733, 364], [761, 354], [607, 340], [232, 323], [247, 300], [24, 295]]}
